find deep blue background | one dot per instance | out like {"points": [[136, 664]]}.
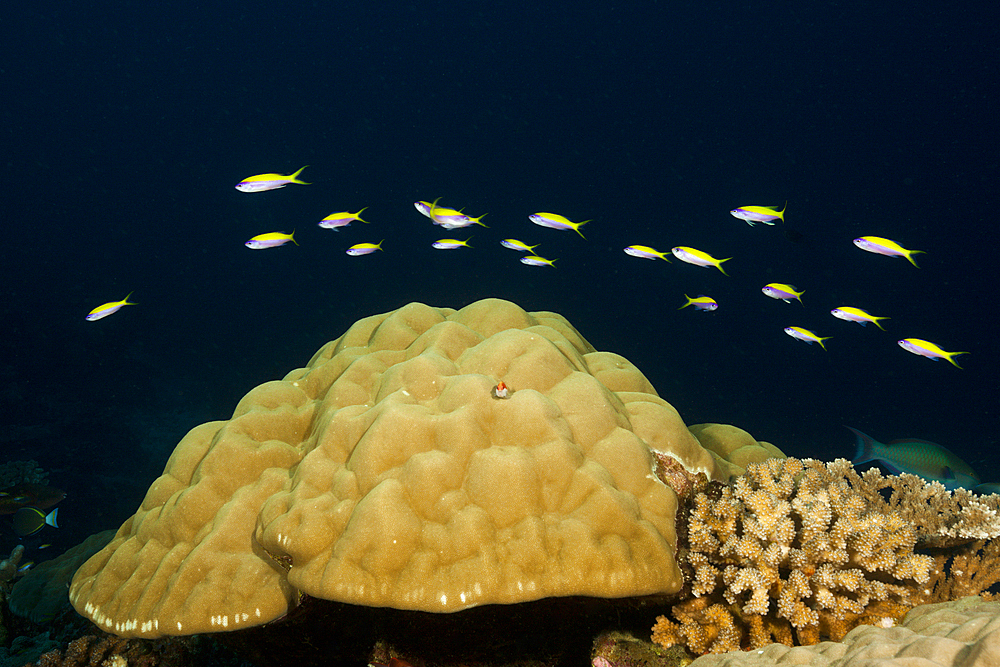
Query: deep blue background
{"points": [[126, 127]]}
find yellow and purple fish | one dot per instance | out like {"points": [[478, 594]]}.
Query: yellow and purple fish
{"points": [[451, 244], [448, 218], [270, 240], [701, 302], [556, 221], [782, 291], [881, 246], [916, 457], [645, 252], [535, 260], [862, 317], [754, 214], [698, 258], [806, 336], [264, 182], [520, 246], [359, 249], [108, 308], [927, 349], [335, 221]]}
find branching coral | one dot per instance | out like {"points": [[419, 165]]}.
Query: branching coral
{"points": [[792, 551]]}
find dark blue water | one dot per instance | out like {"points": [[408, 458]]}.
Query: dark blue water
{"points": [[126, 127]]}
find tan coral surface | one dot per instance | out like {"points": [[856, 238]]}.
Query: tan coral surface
{"points": [[962, 633], [385, 473]]}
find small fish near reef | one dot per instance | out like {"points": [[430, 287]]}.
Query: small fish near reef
{"points": [[916, 457], [451, 244], [806, 336], [335, 221], [881, 246], [556, 221], [41, 496], [862, 317], [928, 349], [701, 302], [535, 260], [109, 308], [30, 520], [783, 292], [359, 249], [270, 240], [698, 258], [645, 252], [520, 246], [763, 214], [264, 182]]}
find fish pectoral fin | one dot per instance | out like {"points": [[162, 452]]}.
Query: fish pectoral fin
{"points": [[948, 473]]}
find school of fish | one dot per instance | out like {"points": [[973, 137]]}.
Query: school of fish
{"points": [[452, 219]]}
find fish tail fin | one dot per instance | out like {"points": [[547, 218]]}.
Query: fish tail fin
{"points": [[911, 253], [876, 321], [781, 213], [689, 302], [357, 216], [51, 518], [295, 177], [479, 220], [949, 356], [291, 237], [820, 341], [127, 302], [719, 265], [864, 447], [577, 226]]}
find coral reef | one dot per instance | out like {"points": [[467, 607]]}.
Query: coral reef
{"points": [[13, 473], [962, 633], [385, 474], [795, 551], [41, 593]]}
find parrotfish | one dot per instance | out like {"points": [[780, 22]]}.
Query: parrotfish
{"points": [[916, 457], [520, 246], [30, 520], [754, 214], [556, 221], [364, 248], [451, 244], [270, 240], [535, 260], [700, 302], [862, 317], [43, 497], [782, 291], [881, 246], [108, 308], [806, 336], [264, 182], [699, 258], [645, 252], [335, 221], [927, 349]]}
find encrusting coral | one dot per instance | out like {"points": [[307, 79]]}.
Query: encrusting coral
{"points": [[795, 551], [389, 473]]}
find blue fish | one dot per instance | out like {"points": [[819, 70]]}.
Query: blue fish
{"points": [[917, 457]]}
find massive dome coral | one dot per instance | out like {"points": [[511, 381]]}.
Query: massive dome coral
{"points": [[389, 473]]}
